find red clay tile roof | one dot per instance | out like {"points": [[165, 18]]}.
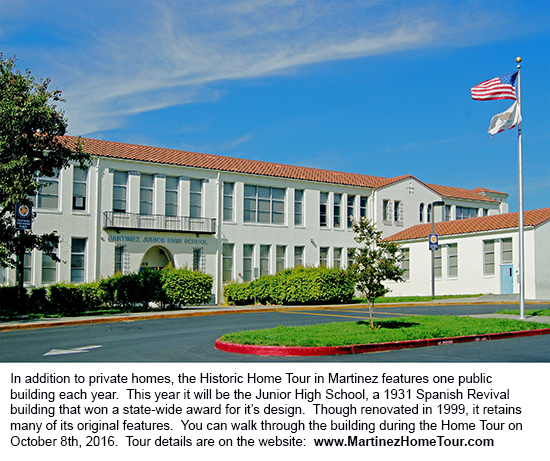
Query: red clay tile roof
{"points": [[532, 218], [140, 153], [216, 162], [478, 190]]}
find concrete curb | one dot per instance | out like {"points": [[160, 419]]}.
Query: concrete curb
{"points": [[367, 348]]}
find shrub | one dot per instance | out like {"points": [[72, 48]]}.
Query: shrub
{"points": [[9, 303], [302, 285], [184, 287], [66, 299]]}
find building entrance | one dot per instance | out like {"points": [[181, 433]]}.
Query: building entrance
{"points": [[157, 257]]}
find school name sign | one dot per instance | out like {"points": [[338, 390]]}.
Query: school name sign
{"points": [[147, 239]]}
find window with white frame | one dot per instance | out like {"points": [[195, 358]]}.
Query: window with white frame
{"points": [[337, 257], [429, 213], [228, 201], [363, 207], [299, 255], [27, 267], [452, 255], [147, 182], [198, 259], [447, 215], [280, 258], [80, 176], [421, 213], [227, 262], [507, 251], [398, 211], [465, 212], [195, 198], [337, 210], [488, 257], [48, 195], [78, 259], [248, 262], [351, 210], [438, 267], [323, 209], [264, 204], [298, 207], [406, 263], [120, 186], [49, 269], [119, 259], [386, 211], [264, 259], [323, 256], [171, 196]]}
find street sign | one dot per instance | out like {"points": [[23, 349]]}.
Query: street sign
{"points": [[23, 216], [434, 242]]}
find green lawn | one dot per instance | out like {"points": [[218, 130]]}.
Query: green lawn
{"points": [[415, 299], [539, 312], [388, 330]]}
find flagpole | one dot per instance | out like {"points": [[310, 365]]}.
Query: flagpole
{"points": [[520, 213]]}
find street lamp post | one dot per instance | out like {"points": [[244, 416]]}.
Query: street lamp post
{"points": [[434, 204]]}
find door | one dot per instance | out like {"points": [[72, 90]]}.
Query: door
{"points": [[507, 279]]}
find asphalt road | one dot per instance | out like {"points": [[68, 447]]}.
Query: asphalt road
{"points": [[191, 339]]}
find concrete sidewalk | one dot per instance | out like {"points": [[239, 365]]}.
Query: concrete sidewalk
{"points": [[194, 311]]}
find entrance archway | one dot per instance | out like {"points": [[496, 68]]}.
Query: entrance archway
{"points": [[157, 257]]}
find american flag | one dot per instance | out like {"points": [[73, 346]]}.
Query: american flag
{"points": [[497, 88]]}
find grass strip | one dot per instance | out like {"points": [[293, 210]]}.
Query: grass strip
{"points": [[387, 330], [533, 312]]}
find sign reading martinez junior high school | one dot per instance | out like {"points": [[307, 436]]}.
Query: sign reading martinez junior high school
{"points": [[156, 240]]}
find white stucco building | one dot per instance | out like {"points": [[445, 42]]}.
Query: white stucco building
{"points": [[478, 255], [139, 206]]}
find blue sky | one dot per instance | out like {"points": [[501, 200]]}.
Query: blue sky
{"points": [[374, 87]]}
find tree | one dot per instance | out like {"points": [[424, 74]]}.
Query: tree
{"points": [[374, 263], [31, 146]]}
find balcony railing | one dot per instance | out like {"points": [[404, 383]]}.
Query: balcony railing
{"points": [[160, 223]]}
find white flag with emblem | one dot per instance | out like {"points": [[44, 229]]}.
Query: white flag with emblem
{"points": [[505, 120]]}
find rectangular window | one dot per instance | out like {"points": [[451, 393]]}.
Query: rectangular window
{"points": [[80, 176], [398, 211], [447, 216], [386, 210], [49, 269], [27, 268], [228, 200], [323, 219], [351, 210], [338, 258], [146, 194], [298, 207], [171, 199], [227, 263], [198, 259], [78, 257], [489, 257], [351, 256], [119, 259], [280, 258], [337, 210], [507, 251], [2, 274], [485, 212], [323, 256], [264, 259], [298, 256], [48, 193], [465, 212], [437, 263], [406, 263], [264, 204], [363, 207], [195, 198], [120, 184], [248, 262], [453, 259]]}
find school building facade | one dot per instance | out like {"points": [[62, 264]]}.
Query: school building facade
{"points": [[140, 207]]}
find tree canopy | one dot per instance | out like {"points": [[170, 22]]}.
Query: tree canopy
{"points": [[31, 146], [376, 262]]}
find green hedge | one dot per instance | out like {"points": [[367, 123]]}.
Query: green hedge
{"points": [[302, 285], [135, 291]]}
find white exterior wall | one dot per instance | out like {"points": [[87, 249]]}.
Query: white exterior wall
{"points": [[471, 278], [542, 260]]}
